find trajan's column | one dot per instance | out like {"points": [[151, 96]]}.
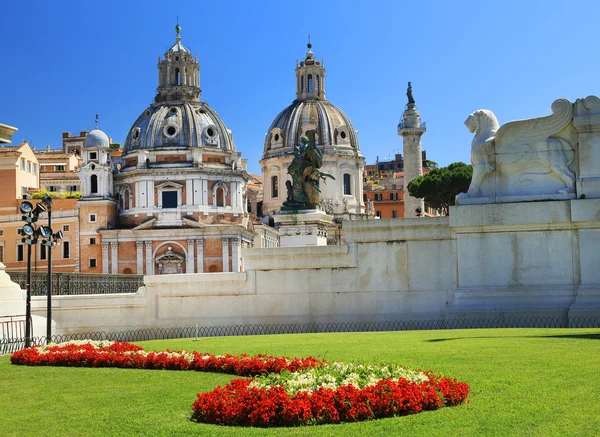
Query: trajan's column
{"points": [[411, 129]]}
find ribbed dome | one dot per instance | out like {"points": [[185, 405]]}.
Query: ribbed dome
{"points": [[96, 138], [332, 126], [179, 125]]}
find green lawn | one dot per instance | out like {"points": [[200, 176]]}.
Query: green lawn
{"points": [[535, 382]]}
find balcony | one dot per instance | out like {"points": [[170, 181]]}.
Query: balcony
{"points": [[420, 126]]}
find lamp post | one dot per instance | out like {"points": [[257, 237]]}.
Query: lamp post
{"points": [[49, 243], [29, 233]]}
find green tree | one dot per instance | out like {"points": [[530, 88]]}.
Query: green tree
{"points": [[440, 186]]}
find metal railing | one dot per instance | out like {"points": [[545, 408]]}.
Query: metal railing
{"points": [[11, 327], [401, 125], [69, 284], [8, 345]]}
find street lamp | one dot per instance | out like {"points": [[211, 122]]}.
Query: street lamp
{"points": [[29, 237], [49, 242]]}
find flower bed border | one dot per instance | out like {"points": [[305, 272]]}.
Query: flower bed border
{"points": [[241, 404], [127, 355]]}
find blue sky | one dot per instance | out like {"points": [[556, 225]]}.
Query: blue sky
{"points": [[66, 61]]}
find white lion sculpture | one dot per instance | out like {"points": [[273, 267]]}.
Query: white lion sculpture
{"points": [[484, 124], [524, 152]]}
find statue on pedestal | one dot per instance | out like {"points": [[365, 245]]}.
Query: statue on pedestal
{"points": [[305, 173], [411, 100]]}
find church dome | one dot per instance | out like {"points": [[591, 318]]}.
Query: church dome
{"points": [[332, 127], [96, 138], [179, 124]]}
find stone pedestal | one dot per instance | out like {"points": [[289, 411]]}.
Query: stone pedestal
{"points": [[12, 298], [587, 124], [302, 227]]}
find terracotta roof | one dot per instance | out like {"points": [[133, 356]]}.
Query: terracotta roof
{"points": [[46, 155], [9, 149]]}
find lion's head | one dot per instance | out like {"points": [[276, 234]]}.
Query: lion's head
{"points": [[482, 122]]}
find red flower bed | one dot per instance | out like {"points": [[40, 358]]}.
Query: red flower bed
{"points": [[126, 355], [241, 405]]}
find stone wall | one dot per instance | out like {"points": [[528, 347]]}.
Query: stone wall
{"points": [[504, 260]]}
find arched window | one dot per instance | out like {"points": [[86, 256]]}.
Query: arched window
{"points": [[126, 199], [310, 83], [318, 85], [274, 186], [347, 184], [220, 197], [177, 77], [302, 83], [94, 184]]}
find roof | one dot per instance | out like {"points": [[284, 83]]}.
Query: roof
{"points": [[333, 127], [12, 150], [46, 155], [255, 182], [8, 149]]}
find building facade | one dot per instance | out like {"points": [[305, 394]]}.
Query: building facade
{"points": [[334, 135], [176, 203]]}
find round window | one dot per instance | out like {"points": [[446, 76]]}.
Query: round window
{"points": [[210, 132], [343, 135], [93, 167], [171, 131], [276, 137], [173, 110]]}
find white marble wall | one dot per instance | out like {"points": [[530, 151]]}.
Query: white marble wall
{"points": [[528, 259]]}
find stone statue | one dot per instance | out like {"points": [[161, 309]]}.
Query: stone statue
{"points": [[304, 170], [521, 158], [411, 100], [370, 207], [290, 191]]}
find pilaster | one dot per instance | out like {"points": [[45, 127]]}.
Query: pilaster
{"points": [[114, 248], [139, 246], [189, 268], [200, 256], [235, 255], [225, 243], [149, 258], [105, 257]]}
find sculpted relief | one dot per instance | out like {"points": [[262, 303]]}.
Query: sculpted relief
{"points": [[522, 160]]}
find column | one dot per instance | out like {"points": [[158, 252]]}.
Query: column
{"points": [[197, 192], [189, 267], [225, 242], [104, 257], [189, 192], [114, 255], [150, 194], [358, 192], [233, 186], [204, 192], [149, 258], [200, 256], [235, 255], [139, 245]]}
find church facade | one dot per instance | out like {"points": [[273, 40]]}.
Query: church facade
{"points": [[334, 135], [176, 202]]}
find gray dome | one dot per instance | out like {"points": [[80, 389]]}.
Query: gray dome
{"points": [[96, 138], [332, 126], [179, 125]]}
